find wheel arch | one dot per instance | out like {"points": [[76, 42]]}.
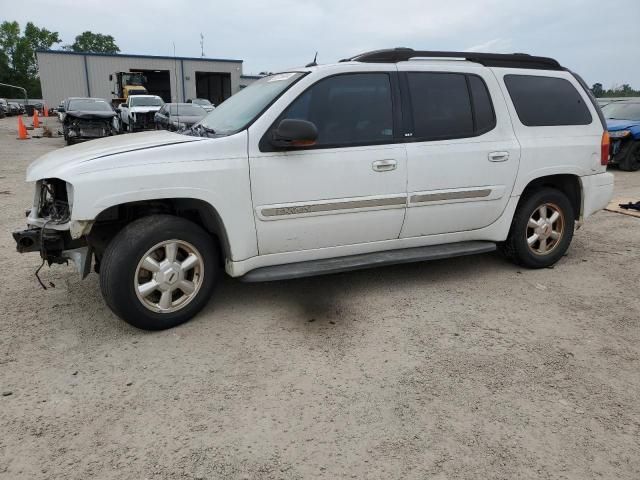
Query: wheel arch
{"points": [[112, 219], [568, 184]]}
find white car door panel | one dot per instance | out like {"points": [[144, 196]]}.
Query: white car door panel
{"points": [[464, 183], [323, 198], [335, 194]]}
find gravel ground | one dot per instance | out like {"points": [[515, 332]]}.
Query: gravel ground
{"points": [[464, 368]]}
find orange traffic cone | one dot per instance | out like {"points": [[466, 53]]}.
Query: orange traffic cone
{"points": [[45, 111], [36, 119], [22, 130]]}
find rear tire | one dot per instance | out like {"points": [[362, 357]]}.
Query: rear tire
{"points": [[146, 285], [631, 161], [541, 229]]}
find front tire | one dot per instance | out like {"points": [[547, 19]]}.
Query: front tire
{"points": [[159, 271], [541, 229], [631, 161]]}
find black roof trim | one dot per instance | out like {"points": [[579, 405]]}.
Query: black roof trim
{"points": [[504, 60]]}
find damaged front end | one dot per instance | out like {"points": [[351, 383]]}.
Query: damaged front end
{"points": [[88, 125], [144, 120], [50, 230], [622, 142]]}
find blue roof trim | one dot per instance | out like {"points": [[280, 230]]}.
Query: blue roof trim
{"points": [[125, 55]]}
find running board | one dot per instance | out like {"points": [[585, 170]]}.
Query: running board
{"points": [[366, 260]]}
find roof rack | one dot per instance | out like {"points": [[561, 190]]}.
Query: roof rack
{"points": [[510, 60]]}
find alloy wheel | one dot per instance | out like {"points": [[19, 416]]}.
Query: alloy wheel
{"points": [[169, 276], [545, 229]]}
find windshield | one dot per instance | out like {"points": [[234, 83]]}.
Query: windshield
{"points": [[133, 79], [146, 101], [187, 110], [90, 105], [622, 111], [201, 101], [238, 111]]}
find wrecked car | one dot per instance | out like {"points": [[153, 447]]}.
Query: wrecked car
{"points": [[16, 109], [623, 124], [325, 169], [176, 116], [87, 118], [138, 112]]}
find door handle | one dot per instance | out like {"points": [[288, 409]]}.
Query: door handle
{"points": [[498, 156], [384, 165]]}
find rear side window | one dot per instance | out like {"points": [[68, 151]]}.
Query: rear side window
{"points": [[546, 101], [449, 105], [482, 106]]}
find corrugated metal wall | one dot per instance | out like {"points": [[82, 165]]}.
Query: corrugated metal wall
{"points": [[65, 75]]}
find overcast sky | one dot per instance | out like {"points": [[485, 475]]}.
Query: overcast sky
{"points": [[597, 40]]}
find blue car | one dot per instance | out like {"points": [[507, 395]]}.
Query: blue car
{"points": [[623, 123]]}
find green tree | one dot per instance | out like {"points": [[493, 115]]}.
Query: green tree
{"points": [[18, 64], [94, 43], [597, 89], [625, 90]]}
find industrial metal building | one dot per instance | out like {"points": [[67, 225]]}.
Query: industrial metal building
{"points": [[71, 74]]}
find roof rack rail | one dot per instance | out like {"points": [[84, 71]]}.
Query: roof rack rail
{"points": [[504, 60]]}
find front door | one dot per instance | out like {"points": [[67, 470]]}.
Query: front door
{"points": [[350, 187], [462, 152]]}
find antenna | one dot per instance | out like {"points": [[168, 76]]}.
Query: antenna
{"points": [[201, 45], [314, 63], [175, 75]]}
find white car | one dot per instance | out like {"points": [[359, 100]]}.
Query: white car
{"points": [[388, 157], [138, 112]]}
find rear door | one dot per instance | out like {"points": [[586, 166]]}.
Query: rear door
{"points": [[462, 152]]}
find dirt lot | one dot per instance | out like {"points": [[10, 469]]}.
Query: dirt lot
{"points": [[465, 368]]}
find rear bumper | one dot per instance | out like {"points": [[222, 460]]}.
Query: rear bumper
{"points": [[597, 192]]}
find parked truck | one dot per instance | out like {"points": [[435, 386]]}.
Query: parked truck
{"points": [[126, 84]]}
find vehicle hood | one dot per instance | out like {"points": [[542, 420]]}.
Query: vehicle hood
{"points": [[144, 109], [91, 114], [55, 163], [615, 125]]}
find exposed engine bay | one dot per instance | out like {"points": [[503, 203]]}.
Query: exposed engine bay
{"points": [[80, 125], [52, 207]]}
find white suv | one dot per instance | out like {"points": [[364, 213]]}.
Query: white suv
{"points": [[388, 157]]}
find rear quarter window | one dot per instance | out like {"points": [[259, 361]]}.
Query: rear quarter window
{"points": [[546, 101]]}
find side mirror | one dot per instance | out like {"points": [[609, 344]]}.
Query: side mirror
{"points": [[294, 133], [111, 77]]}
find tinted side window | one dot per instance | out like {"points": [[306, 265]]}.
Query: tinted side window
{"points": [[440, 105], [347, 109], [482, 107], [546, 101]]}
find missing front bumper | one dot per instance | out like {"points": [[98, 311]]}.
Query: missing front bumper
{"points": [[51, 246]]}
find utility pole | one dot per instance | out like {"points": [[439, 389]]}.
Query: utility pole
{"points": [[201, 45]]}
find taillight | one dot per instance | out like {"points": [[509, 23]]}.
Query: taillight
{"points": [[604, 149]]}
